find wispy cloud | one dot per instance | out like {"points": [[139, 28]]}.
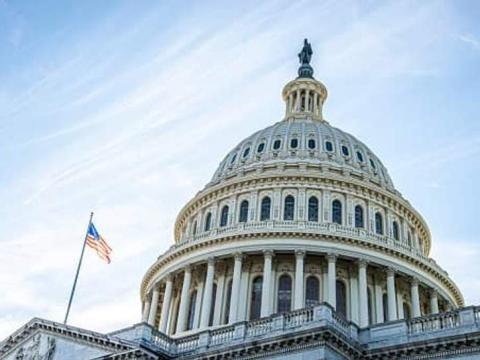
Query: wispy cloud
{"points": [[470, 40], [130, 116]]}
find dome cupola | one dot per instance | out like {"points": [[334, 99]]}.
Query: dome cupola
{"points": [[304, 96]]}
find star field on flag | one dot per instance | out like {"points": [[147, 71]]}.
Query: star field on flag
{"points": [[97, 243]]}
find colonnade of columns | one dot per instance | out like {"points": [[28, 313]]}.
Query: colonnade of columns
{"points": [[362, 300]]}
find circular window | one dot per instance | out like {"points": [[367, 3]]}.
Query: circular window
{"points": [[260, 147], [276, 144], [294, 143], [345, 150], [329, 146], [311, 144]]}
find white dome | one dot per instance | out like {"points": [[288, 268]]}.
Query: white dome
{"points": [[307, 141]]}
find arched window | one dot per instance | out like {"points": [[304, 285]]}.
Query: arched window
{"points": [[345, 151], [359, 223], [337, 212], [341, 299], [212, 305], [312, 294], [329, 146], [194, 229], [406, 311], [256, 300], [359, 156], [396, 231], [311, 144], [208, 222], [284, 294], [265, 209], [289, 208], [372, 164], [378, 223], [385, 307], [260, 147], [313, 209], [224, 216], [276, 144], [246, 152], [243, 216], [294, 143], [191, 310], [409, 238], [227, 301]]}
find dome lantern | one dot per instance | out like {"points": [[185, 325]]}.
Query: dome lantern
{"points": [[304, 96]]}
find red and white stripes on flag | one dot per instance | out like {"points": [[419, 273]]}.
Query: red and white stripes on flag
{"points": [[98, 243]]}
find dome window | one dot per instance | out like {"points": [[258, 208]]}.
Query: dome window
{"points": [[337, 212], [372, 164], [289, 208], [378, 223], [276, 144], [261, 147], [294, 143], [246, 152], [234, 157], [208, 222], [224, 216], [265, 209], [243, 217], [359, 217], [345, 150], [329, 146], [313, 209], [359, 156], [396, 231], [311, 144]]}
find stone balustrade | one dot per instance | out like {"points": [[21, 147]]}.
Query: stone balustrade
{"points": [[460, 321]]}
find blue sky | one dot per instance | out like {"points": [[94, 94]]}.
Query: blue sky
{"points": [[126, 108]]}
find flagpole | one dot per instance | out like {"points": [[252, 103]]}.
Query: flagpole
{"points": [[78, 270]]}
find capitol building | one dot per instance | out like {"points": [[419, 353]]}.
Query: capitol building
{"points": [[299, 247]]}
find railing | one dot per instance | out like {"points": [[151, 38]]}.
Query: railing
{"points": [[259, 327], [221, 336], [298, 318], [435, 322], [188, 343], [309, 227]]}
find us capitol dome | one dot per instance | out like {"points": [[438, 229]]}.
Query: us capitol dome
{"points": [[299, 248], [297, 214]]}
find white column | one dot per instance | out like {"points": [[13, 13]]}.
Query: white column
{"points": [[400, 314], [354, 310], [299, 288], [207, 294], [378, 301], [315, 103], [391, 294], [184, 300], [332, 280], [434, 302], [266, 285], [153, 307], [415, 298], [237, 273], [244, 296], [290, 103], [146, 309], [198, 306], [167, 298], [297, 101], [363, 292], [307, 95], [217, 314]]}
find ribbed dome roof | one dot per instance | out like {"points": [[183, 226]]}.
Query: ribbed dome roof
{"points": [[306, 141]]}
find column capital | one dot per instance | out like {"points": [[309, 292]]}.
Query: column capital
{"points": [[188, 268], [414, 281], [268, 253], [299, 253], [331, 257], [433, 292], [390, 271], [211, 261], [362, 263], [169, 277], [238, 256]]}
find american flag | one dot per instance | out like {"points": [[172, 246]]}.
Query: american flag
{"points": [[97, 243]]}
